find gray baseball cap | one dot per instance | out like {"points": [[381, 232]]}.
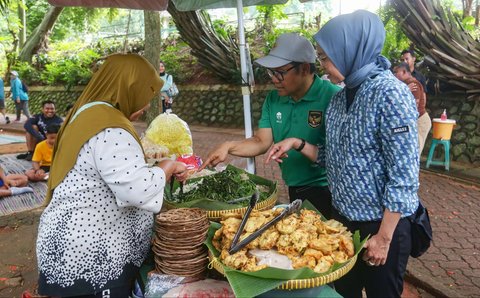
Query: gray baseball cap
{"points": [[289, 47], [13, 72]]}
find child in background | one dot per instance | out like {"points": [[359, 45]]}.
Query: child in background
{"points": [[13, 184], [42, 157]]}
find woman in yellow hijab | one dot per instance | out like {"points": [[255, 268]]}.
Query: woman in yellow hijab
{"points": [[95, 232]]}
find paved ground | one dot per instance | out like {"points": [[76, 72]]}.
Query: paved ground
{"points": [[451, 268]]}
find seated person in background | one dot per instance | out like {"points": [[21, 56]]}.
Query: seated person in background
{"points": [[36, 127], [42, 157], [402, 72], [13, 184]]}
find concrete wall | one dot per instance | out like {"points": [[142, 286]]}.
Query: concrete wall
{"points": [[222, 106]]}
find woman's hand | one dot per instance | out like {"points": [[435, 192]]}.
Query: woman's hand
{"points": [[180, 172], [376, 250], [279, 150], [378, 245]]}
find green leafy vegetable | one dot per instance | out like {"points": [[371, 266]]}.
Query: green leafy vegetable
{"points": [[229, 185]]}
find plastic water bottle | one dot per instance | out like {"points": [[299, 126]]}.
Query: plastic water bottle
{"points": [[443, 117]]}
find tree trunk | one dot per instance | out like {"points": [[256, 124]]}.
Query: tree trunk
{"points": [[477, 15], [153, 44], [22, 36], [467, 8], [40, 34], [216, 54]]}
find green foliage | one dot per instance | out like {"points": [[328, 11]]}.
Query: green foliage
{"points": [[27, 72], [71, 69], [468, 24], [395, 40], [223, 29], [72, 20], [275, 12], [178, 60]]}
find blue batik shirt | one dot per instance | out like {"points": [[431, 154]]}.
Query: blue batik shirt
{"points": [[372, 150]]}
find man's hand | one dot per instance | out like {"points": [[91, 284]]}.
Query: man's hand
{"points": [[279, 150], [17, 101], [218, 155]]}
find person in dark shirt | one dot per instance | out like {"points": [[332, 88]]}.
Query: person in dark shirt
{"points": [[36, 128], [409, 57]]}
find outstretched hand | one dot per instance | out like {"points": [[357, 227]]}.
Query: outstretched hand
{"points": [[278, 151], [216, 156]]}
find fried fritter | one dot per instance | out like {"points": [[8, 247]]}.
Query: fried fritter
{"points": [[237, 260], [303, 261], [322, 266], [339, 256], [334, 227], [230, 225], [313, 253], [288, 224], [309, 216], [268, 239], [304, 238], [255, 223], [300, 240], [252, 265], [346, 245]]}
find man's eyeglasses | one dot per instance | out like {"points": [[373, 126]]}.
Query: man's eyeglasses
{"points": [[279, 74]]}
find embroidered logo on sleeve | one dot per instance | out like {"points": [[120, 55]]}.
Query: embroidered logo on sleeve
{"points": [[400, 129]]}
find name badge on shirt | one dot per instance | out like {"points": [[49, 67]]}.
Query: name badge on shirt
{"points": [[401, 129]]}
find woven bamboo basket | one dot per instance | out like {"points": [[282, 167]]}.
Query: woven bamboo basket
{"points": [[215, 215], [297, 284]]}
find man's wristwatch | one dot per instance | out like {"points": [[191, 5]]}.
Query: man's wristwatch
{"points": [[301, 146]]}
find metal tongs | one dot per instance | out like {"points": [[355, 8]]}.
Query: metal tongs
{"points": [[236, 246]]}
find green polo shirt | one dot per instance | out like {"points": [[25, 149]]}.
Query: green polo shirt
{"points": [[304, 119]]}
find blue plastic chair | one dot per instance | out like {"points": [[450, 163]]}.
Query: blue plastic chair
{"points": [[446, 146]]}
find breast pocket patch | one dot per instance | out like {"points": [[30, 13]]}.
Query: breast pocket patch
{"points": [[315, 118]]}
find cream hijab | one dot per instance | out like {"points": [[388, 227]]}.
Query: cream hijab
{"points": [[127, 83]]}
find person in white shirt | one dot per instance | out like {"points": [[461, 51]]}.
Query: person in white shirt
{"points": [[96, 230]]}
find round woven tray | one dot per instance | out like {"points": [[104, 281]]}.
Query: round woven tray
{"points": [[297, 284], [215, 215]]}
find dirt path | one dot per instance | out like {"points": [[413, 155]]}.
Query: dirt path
{"points": [[18, 265]]}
